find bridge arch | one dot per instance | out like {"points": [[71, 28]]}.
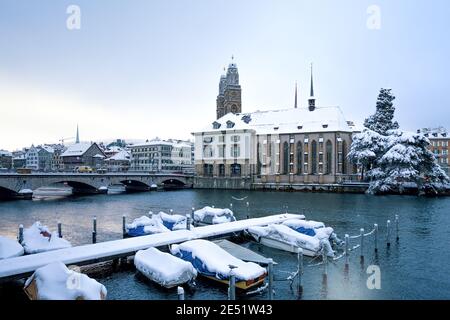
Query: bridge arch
{"points": [[173, 183]]}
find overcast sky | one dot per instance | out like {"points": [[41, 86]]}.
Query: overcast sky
{"points": [[140, 69]]}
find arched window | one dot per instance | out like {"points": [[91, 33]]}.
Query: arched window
{"points": [[299, 157], [344, 156], [314, 157], [329, 157], [285, 158]]}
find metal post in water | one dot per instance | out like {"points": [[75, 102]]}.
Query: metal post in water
{"points": [[396, 227], [270, 274], [362, 244], [94, 230], [124, 223], [171, 211], [375, 226], [388, 234], [232, 284], [325, 263], [59, 230], [150, 214], [180, 292], [248, 210], [188, 222], [20, 233], [299, 270], [347, 242]]}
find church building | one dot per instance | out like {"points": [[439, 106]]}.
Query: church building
{"points": [[287, 147]]}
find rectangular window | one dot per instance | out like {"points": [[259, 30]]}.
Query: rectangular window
{"points": [[235, 151], [221, 151]]}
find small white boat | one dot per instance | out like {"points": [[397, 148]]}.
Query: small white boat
{"points": [[163, 268], [209, 216], [282, 237], [213, 262], [56, 282], [144, 226], [38, 238]]}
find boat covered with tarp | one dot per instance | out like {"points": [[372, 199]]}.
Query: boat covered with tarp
{"points": [[163, 268], [10, 248], [38, 238], [213, 262], [155, 223], [210, 215], [310, 236]]}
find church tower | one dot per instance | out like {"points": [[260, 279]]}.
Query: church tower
{"points": [[229, 98], [312, 99]]}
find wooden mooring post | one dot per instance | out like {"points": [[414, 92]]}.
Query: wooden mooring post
{"points": [[388, 233], [20, 237], [270, 274], [375, 237], [59, 230], [300, 271], [124, 228], [347, 258], [180, 292], [94, 230], [361, 245], [232, 284], [396, 227]]}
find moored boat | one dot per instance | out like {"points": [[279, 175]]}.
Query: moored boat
{"points": [[282, 237], [163, 268], [213, 262], [38, 238], [209, 216]]}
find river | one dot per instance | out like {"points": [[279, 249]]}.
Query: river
{"points": [[415, 267]]}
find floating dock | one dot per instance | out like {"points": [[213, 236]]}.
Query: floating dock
{"points": [[20, 267]]}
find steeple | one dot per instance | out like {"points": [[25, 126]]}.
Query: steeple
{"points": [[295, 103], [78, 136], [312, 100]]}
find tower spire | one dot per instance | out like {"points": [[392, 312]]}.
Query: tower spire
{"points": [[295, 103], [78, 136], [312, 100]]}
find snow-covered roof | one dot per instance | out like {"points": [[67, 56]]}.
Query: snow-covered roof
{"points": [[77, 149], [47, 148], [162, 142], [5, 153], [114, 149], [294, 120], [121, 156]]}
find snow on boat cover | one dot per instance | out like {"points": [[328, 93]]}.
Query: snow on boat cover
{"points": [[56, 282], [211, 260], [286, 235], [10, 248], [38, 238], [164, 268], [158, 223], [209, 215]]}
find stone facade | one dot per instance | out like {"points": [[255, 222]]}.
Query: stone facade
{"points": [[229, 98]]}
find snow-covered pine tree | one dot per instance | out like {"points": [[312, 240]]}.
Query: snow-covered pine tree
{"points": [[406, 159], [382, 120], [366, 147]]}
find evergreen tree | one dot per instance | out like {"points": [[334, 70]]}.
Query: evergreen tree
{"points": [[366, 147], [406, 159], [382, 120]]}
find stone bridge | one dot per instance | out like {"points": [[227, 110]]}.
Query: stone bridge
{"points": [[21, 186]]}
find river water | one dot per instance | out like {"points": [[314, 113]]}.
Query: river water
{"points": [[415, 267]]}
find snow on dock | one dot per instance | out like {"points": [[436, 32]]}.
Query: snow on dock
{"points": [[22, 266], [241, 252]]}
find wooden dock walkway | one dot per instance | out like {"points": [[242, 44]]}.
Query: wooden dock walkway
{"points": [[24, 266]]}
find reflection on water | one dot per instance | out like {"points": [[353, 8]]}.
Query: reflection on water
{"points": [[413, 268]]}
